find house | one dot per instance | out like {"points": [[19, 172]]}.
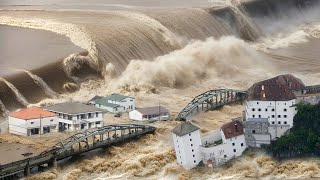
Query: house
{"points": [[274, 99], [150, 113], [116, 103], [186, 138], [94, 99], [221, 146], [77, 116], [32, 121]]}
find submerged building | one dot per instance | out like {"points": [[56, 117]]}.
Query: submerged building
{"points": [[115, 103], [153, 113]]}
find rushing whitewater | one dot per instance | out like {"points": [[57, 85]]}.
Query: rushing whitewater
{"points": [[167, 56]]}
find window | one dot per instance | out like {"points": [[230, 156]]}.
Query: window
{"points": [[272, 116], [272, 122], [225, 156], [234, 150], [191, 144], [51, 120], [192, 150], [253, 116], [259, 109], [32, 122], [193, 155], [259, 116], [285, 122], [285, 116], [233, 144], [285, 110], [241, 144], [253, 109], [253, 131], [189, 134], [272, 109], [279, 122], [257, 102], [194, 161], [190, 139], [266, 109], [98, 122], [279, 116], [97, 114]]}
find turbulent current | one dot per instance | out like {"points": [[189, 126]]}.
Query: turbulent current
{"points": [[164, 53]]}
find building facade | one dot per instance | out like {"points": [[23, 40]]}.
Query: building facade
{"points": [[187, 142], [223, 145], [150, 114], [33, 121], [75, 116], [116, 103], [257, 132], [275, 100]]}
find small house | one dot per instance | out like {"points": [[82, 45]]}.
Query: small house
{"points": [[150, 113], [32, 121], [93, 100], [116, 103], [77, 116]]}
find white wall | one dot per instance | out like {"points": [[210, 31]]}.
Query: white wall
{"points": [[187, 149], [128, 104], [135, 115], [20, 126], [277, 112]]}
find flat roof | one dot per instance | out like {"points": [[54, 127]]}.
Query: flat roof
{"points": [[73, 108]]}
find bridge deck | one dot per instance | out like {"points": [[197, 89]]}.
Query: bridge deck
{"points": [[76, 144]]}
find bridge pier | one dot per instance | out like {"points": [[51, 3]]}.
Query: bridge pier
{"points": [[26, 171]]}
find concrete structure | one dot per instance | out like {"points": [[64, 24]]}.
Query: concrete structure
{"points": [[187, 142], [309, 98], [150, 114], [257, 132], [223, 145], [116, 103], [274, 99], [32, 121], [77, 116]]}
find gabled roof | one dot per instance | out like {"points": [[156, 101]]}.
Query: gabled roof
{"points": [[279, 88], [73, 108], [232, 129], [32, 113], [152, 110], [116, 97], [104, 102], [184, 128], [95, 98]]}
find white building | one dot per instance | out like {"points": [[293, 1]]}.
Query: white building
{"points": [[116, 103], [77, 116], [187, 142], [150, 114], [274, 99], [32, 121], [221, 146]]}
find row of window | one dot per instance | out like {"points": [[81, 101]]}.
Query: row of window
{"points": [[233, 144], [279, 103], [272, 116], [266, 109]]}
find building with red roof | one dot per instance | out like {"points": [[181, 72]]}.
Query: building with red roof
{"points": [[32, 121]]}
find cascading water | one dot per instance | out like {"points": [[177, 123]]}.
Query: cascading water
{"points": [[19, 97]]}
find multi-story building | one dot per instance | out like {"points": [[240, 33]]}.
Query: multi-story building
{"points": [[153, 113], [186, 138], [275, 100], [77, 116], [116, 103], [221, 146]]}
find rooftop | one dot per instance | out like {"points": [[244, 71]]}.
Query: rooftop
{"points": [[184, 128], [104, 101], [153, 110], [95, 98], [232, 129], [32, 113], [73, 108], [276, 89], [116, 97]]}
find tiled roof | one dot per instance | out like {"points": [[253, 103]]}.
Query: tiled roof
{"points": [[232, 129], [276, 89], [153, 110], [32, 113], [184, 128], [73, 108]]}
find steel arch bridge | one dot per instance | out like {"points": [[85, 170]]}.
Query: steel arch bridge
{"points": [[211, 100], [76, 144]]}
